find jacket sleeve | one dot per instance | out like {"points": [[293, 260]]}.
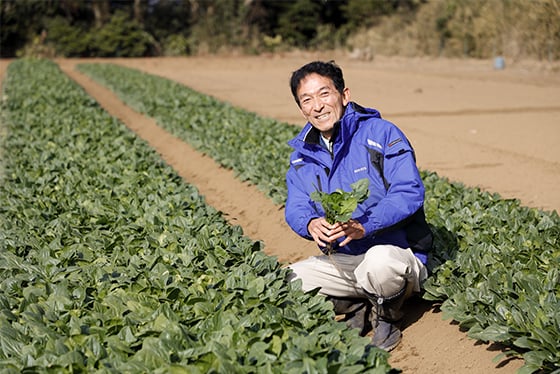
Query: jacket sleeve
{"points": [[405, 193], [299, 209]]}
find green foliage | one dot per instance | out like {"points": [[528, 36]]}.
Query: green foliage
{"points": [[298, 24], [176, 45], [121, 37], [339, 205], [21, 23], [110, 262], [364, 13], [68, 40], [255, 148], [220, 24], [496, 269], [168, 18], [495, 263], [474, 28]]}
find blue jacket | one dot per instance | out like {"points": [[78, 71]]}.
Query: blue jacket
{"points": [[362, 140]]}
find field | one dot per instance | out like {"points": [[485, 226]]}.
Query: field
{"points": [[493, 129]]}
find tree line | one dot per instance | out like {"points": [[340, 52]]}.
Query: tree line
{"points": [[135, 28]]}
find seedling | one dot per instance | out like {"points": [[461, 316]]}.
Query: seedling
{"points": [[339, 204]]}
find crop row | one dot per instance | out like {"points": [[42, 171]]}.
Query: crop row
{"points": [[495, 263], [109, 262], [254, 148]]}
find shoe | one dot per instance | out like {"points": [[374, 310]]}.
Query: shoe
{"points": [[385, 314], [356, 312], [386, 335], [359, 319]]}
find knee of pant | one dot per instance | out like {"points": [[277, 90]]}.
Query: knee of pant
{"points": [[382, 258], [384, 267]]}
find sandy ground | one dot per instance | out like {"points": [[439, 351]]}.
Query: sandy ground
{"points": [[493, 129]]}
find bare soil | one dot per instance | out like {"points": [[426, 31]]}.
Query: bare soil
{"points": [[495, 129]]}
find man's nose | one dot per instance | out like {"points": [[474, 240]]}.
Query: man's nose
{"points": [[318, 104]]}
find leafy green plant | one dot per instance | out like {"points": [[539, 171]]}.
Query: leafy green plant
{"points": [[120, 37], [339, 204], [496, 270]]}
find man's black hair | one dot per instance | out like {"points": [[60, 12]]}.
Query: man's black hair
{"points": [[325, 69]]}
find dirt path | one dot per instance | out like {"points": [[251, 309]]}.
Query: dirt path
{"points": [[430, 345]]}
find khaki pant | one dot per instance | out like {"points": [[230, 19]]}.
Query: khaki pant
{"points": [[383, 270]]}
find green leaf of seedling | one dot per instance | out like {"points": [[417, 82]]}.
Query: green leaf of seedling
{"points": [[339, 205]]}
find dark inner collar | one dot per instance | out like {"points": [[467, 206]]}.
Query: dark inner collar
{"points": [[314, 135]]}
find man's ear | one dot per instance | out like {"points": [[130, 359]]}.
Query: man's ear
{"points": [[345, 96]]}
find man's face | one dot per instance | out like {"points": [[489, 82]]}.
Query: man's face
{"points": [[320, 103]]}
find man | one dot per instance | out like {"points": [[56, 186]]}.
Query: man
{"points": [[373, 268]]}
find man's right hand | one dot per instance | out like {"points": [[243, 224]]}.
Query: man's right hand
{"points": [[320, 230]]}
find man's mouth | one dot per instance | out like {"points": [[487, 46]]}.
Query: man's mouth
{"points": [[322, 116]]}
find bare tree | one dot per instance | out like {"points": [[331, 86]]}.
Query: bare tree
{"points": [[101, 11], [138, 11]]}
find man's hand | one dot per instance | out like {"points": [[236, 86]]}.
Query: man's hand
{"points": [[323, 232]]}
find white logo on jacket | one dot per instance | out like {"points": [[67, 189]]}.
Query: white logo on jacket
{"points": [[374, 144]]}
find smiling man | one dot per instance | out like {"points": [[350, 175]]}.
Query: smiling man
{"points": [[379, 256]]}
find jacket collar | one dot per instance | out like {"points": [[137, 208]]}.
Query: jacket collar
{"points": [[343, 128], [313, 136]]}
